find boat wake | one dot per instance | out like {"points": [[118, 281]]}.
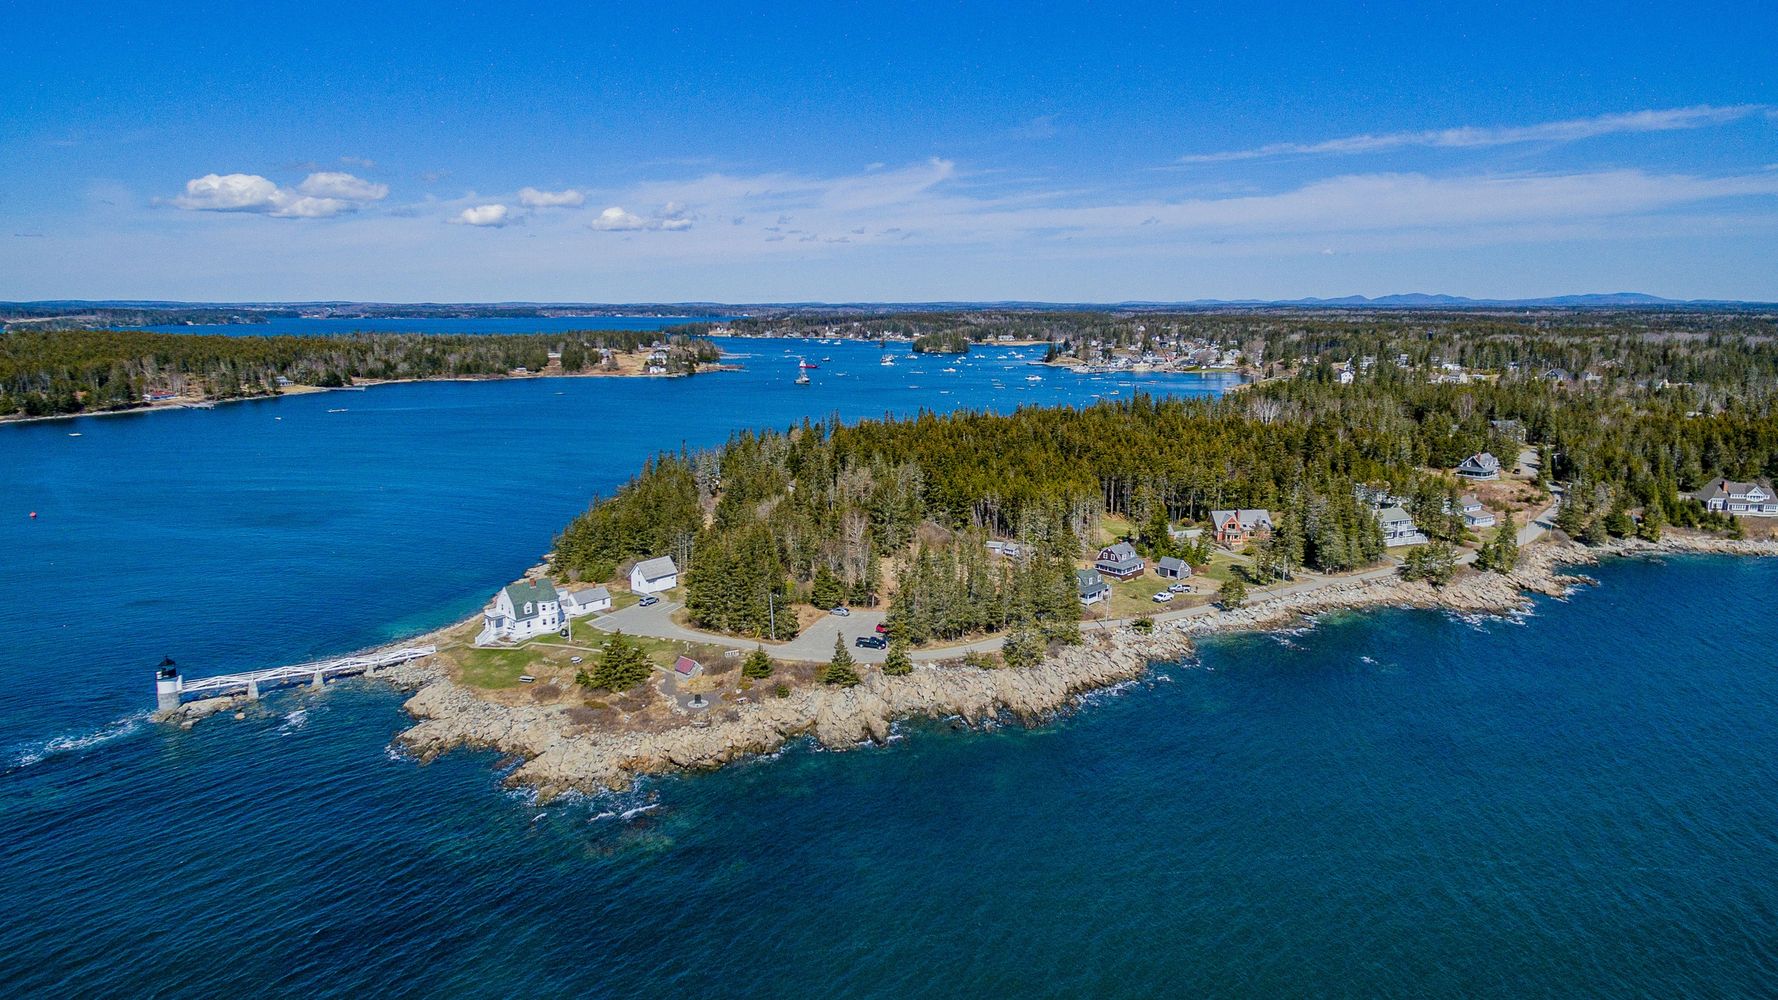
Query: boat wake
{"points": [[32, 753]]}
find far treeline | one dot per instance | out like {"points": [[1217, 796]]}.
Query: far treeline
{"points": [[824, 514], [1681, 345], [44, 373]]}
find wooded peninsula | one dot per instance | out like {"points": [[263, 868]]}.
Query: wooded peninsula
{"points": [[55, 372], [1629, 417]]}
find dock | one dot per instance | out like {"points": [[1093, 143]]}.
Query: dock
{"points": [[171, 688]]}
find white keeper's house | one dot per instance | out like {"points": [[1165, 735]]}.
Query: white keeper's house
{"points": [[534, 607], [651, 576]]}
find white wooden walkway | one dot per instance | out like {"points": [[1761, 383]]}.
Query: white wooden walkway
{"points": [[171, 690]]}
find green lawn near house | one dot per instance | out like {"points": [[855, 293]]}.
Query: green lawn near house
{"points": [[1111, 528]]}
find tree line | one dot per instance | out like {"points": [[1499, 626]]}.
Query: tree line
{"points": [[48, 372]]}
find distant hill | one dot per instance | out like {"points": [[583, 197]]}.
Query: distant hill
{"points": [[70, 312]]}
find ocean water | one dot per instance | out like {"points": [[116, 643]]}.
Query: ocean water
{"points": [[1583, 801]]}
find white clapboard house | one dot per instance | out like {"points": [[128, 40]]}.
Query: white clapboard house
{"points": [[534, 607]]}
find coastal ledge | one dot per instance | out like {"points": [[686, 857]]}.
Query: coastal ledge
{"points": [[561, 754]]}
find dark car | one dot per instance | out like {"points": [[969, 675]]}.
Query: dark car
{"points": [[870, 641]]}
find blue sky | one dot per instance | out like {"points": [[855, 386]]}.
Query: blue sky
{"points": [[1066, 152]]}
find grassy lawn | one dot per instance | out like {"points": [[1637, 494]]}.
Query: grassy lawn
{"points": [[549, 657], [1134, 598], [1222, 566], [1111, 528], [500, 668]]}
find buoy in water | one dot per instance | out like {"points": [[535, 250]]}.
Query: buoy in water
{"points": [[33, 515]]}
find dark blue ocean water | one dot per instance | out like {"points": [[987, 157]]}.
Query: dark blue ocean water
{"points": [[1580, 802], [402, 324]]}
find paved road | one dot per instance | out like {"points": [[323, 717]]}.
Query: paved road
{"points": [[816, 644]]}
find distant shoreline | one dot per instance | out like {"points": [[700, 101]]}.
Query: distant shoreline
{"points": [[202, 403]]}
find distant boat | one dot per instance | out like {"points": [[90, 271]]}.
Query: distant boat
{"points": [[950, 369], [1034, 378], [340, 410], [802, 378], [806, 363], [888, 362], [73, 434], [827, 359]]}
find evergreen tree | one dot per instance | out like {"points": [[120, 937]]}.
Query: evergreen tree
{"points": [[757, 665], [1594, 533], [1233, 593], [1022, 648], [1435, 562], [1649, 528], [621, 666], [899, 663], [827, 590], [1500, 554], [840, 671]]}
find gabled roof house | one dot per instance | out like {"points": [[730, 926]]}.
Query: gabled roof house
{"points": [[1120, 560], [1232, 527], [1481, 466], [1726, 496]]}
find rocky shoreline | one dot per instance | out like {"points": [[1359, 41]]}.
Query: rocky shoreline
{"points": [[560, 756]]}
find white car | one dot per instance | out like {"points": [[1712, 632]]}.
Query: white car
{"points": [[842, 612], [1163, 597]]}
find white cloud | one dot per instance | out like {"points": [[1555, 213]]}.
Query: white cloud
{"points": [[484, 215], [319, 196], [671, 217], [531, 197], [229, 193], [616, 220], [343, 186], [313, 208], [1471, 136]]}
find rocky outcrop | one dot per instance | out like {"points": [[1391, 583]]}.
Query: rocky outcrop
{"points": [[561, 756], [189, 713]]}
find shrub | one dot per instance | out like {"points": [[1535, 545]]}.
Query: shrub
{"points": [[758, 665]]}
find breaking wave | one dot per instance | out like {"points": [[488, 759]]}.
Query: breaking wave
{"points": [[32, 753]]}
